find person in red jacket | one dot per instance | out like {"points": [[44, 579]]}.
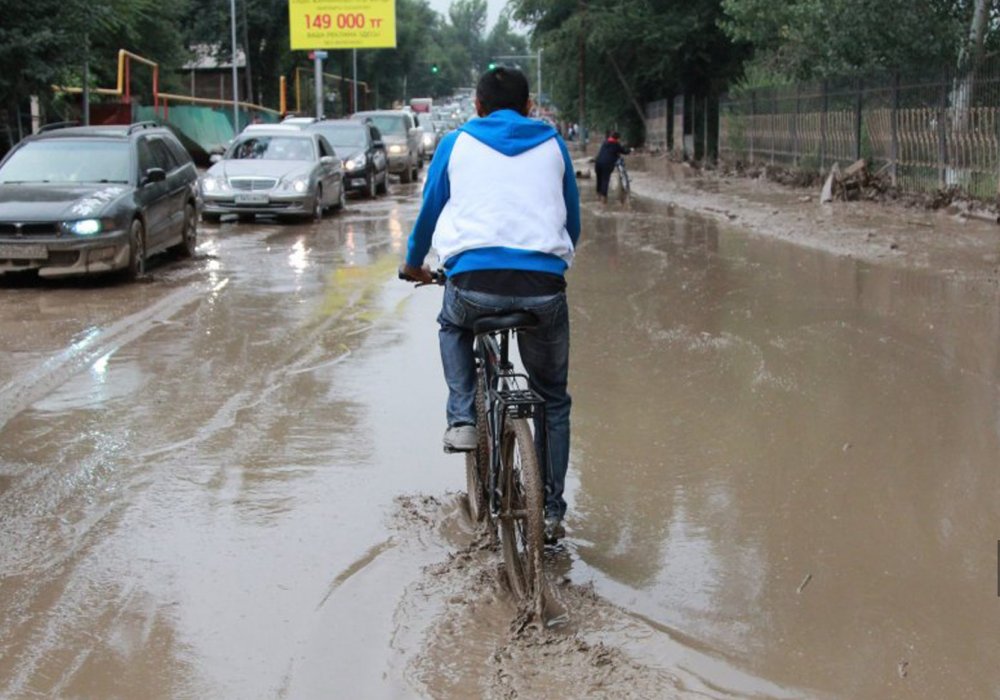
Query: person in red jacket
{"points": [[604, 164]]}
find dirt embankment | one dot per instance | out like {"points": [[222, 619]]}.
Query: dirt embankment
{"points": [[907, 231]]}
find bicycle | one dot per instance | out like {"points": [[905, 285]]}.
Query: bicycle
{"points": [[624, 183], [504, 483]]}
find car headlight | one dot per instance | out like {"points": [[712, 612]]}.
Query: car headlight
{"points": [[84, 227], [428, 140], [395, 149], [357, 162], [296, 184], [214, 184]]}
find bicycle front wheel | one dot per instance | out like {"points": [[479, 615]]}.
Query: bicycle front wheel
{"points": [[477, 462], [521, 518]]}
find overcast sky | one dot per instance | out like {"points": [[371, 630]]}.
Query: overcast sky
{"points": [[493, 9]]}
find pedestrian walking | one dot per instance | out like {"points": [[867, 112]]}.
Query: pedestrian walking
{"points": [[607, 157]]}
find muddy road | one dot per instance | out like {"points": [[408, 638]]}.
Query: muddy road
{"points": [[227, 482]]}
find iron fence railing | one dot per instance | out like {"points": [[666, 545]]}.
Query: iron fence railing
{"points": [[923, 132]]}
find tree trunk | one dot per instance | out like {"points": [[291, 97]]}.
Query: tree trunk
{"points": [[628, 91], [962, 88]]}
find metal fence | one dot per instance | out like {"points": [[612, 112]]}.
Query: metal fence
{"points": [[924, 133]]}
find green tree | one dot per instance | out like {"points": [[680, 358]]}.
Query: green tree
{"points": [[808, 39], [635, 51]]}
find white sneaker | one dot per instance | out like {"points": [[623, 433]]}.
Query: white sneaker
{"points": [[460, 438]]}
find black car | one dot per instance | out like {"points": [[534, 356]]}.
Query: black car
{"points": [[361, 149], [95, 199]]}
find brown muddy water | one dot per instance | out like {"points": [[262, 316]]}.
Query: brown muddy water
{"points": [[226, 482]]}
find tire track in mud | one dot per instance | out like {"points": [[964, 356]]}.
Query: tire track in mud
{"points": [[461, 634], [94, 343]]}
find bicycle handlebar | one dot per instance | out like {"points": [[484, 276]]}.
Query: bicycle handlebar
{"points": [[437, 277]]}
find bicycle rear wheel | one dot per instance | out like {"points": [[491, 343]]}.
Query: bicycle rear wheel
{"points": [[521, 518], [477, 462]]}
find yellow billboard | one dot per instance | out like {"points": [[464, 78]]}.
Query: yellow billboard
{"points": [[342, 24]]}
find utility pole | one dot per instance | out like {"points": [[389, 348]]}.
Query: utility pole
{"points": [[581, 72], [86, 79], [354, 82], [236, 87], [539, 75]]}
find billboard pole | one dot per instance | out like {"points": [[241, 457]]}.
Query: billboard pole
{"points": [[318, 70]]}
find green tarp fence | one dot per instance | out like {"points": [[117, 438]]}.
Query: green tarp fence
{"points": [[203, 129]]}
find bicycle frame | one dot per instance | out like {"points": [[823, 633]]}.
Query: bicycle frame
{"points": [[509, 395]]}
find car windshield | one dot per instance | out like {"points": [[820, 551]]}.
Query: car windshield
{"points": [[389, 123], [344, 137], [68, 160], [272, 148]]}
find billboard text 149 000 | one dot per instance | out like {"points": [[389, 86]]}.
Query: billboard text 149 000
{"points": [[342, 24]]}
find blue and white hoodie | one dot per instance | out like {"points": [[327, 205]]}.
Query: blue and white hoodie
{"points": [[500, 195]]}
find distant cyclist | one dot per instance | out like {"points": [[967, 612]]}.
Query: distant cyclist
{"points": [[604, 164], [501, 208]]}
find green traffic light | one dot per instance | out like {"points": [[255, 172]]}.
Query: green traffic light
{"points": [[492, 66], [434, 68]]}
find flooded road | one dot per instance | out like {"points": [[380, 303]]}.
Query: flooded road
{"points": [[227, 481]]}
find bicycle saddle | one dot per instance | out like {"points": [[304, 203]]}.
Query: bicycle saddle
{"points": [[517, 319]]}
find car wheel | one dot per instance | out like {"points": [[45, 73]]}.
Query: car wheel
{"points": [[370, 185], [415, 173], [341, 200], [189, 238], [383, 187], [407, 175], [136, 252], [317, 211]]}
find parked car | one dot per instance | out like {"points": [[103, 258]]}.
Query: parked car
{"points": [[289, 173], [422, 138], [432, 135], [96, 199], [361, 151], [401, 138]]}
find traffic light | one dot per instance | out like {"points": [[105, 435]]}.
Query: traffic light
{"points": [[492, 66], [434, 68]]}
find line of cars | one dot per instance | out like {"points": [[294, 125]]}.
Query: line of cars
{"points": [[302, 166], [78, 200]]}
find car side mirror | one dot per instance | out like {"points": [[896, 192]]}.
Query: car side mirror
{"points": [[327, 160], [215, 158], [154, 175], [378, 144]]}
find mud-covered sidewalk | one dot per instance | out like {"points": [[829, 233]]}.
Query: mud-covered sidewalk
{"points": [[887, 233]]}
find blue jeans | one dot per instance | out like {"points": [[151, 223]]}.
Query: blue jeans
{"points": [[545, 353]]}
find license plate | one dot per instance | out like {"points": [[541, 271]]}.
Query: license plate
{"points": [[252, 198], [13, 251]]}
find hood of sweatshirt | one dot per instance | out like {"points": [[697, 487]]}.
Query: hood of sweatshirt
{"points": [[508, 132]]}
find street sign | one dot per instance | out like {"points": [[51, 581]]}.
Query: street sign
{"points": [[342, 24]]}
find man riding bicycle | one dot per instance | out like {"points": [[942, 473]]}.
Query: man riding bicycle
{"points": [[502, 210]]}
